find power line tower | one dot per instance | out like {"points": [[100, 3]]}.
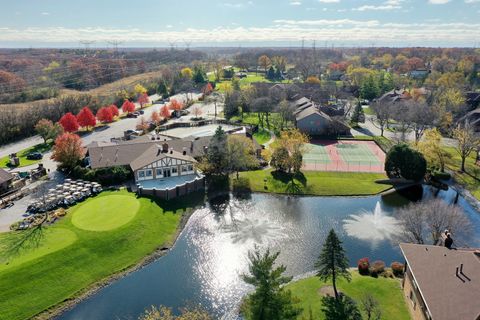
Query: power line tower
{"points": [[87, 44], [187, 44], [172, 44], [115, 44]]}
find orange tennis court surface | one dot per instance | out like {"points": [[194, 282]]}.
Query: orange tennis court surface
{"points": [[343, 155]]}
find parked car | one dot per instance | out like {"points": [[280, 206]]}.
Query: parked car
{"points": [[141, 111], [132, 115], [34, 156]]}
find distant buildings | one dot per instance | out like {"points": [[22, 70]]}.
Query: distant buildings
{"points": [[441, 283], [6, 179]]}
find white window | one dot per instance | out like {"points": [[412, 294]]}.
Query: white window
{"points": [[148, 173], [184, 168], [141, 174], [174, 170]]}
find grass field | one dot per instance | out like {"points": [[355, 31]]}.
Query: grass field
{"points": [[469, 179], [56, 262], [386, 291], [314, 183], [261, 136], [22, 155], [251, 77]]}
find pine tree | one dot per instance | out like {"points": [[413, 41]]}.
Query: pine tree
{"points": [[358, 113], [332, 262], [270, 300], [343, 308], [217, 152]]}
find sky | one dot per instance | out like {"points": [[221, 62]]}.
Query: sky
{"points": [[157, 23]]}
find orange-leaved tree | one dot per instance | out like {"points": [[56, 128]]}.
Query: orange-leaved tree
{"points": [[155, 117], [68, 150], [69, 122], [143, 100], [105, 115], [175, 105], [128, 106], [86, 118], [164, 112]]}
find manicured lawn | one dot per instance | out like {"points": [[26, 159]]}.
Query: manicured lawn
{"points": [[315, 183], [251, 77], [22, 155], [368, 111], [60, 260], [386, 291], [93, 216], [261, 136], [469, 179]]}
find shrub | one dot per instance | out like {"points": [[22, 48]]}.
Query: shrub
{"points": [[378, 267], [441, 175], [397, 268], [363, 266], [388, 274]]}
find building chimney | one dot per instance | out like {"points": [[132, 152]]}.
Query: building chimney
{"points": [[184, 151], [171, 150]]}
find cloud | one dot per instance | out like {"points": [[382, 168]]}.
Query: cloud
{"points": [[45, 13], [377, 8], [438, 1], [295, 3], [329, 1], [344, 31], [472, 1]]}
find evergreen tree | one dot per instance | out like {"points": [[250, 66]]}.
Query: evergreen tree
{"points": [[343, 308], [199, 76], [270, 300], [278, 74], [271, 74], [332, 262], [358, 113], [369, 89], [217, 152]]}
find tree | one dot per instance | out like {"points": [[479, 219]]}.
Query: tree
{"points": [[186, 73], [48, 130], [280, 63], [139, 89], [270, 74], [143, 99], [86, 119], [285, 112], [343, 308], [105, 115], [175, 105], [405, 162], [263, 106], [431, 148], [69, 122], [270, 300], [207, 89], [143, 124], [313, 80], [165, 112], [358, 113], [155, 117], [382, 115], [68, 150], [288, 150], [164, 313], [332, 262], [280, 159], [422, 116], [196, 111], [369, 88], [467, 141], [215, 161], [199, 75], [425, 221], [371, 307], [128, 106], [114, 110], [264, 62], [241, 153]]}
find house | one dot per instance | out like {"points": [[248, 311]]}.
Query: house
{"points": [[473, 117], [313, 122], [441, 283], [394, 96], [6, 179]]}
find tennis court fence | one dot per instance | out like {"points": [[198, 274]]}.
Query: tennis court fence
{"points": [[342, 166]]}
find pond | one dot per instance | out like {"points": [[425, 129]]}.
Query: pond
{"points": [[205, 265]]}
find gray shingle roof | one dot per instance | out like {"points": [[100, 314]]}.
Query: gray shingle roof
{"points": [[5, 176]]}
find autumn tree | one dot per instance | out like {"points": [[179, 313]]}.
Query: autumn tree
{"points": [[69, 122], [175, 105], [288, 150], [48, 130], [467, 141], [431, 148], [264, 62], [207, 89], [186, 73], [86, 119], [155, 117], [143, 99], [68, 150], [143, 125], [105, 115], [128, 106], [196, 111], [165, 112], [114, 110], [280, 62], [139, 89], [383, 112], [240, 153], [313, 80]]}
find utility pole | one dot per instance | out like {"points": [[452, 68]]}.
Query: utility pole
{"points": [[115, 44], [87, 44]]}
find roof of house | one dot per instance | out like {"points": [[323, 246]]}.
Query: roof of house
{"points": [[447, 292], [5, 176], [155, 153], [311, 110]]}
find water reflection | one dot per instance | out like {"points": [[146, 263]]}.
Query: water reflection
{"points": [[212, 252]]}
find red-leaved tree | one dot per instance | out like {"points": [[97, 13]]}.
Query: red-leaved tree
{"points": [[104, 114], [155, 117], [164, 112], [207, 89], [143, 100], [68, 150], [69, 122], [175, 105], [86, 119], [128, 106], [114, 110]]}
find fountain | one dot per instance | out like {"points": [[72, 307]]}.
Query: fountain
{"points": [[374, 226]]}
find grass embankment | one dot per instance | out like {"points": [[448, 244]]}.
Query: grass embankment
{"points": [[312, 183], [22, 155], [252, 77], [56, 262], [386, 291], [470, 179], [261, 136]]}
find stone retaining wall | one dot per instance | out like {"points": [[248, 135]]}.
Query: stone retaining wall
{"points": [[180, 190]]}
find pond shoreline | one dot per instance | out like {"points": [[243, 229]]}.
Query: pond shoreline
{"points": [[85, 293]]}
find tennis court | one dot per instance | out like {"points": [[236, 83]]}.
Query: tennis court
{"points": [[344, 155]]}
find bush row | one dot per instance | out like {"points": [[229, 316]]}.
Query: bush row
{"points": [[378, 268]]}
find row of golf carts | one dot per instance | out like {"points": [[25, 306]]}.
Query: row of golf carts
{"points": [[65, 195]]}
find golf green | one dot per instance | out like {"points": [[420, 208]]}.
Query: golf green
{"points": [[105, 213]]}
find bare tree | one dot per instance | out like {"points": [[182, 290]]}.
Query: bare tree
{"points": [[371, 307], [382, 115], [426, 220], [422, 117]]}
